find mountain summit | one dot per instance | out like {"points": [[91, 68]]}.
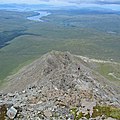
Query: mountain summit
{"points": [[60, 85]]}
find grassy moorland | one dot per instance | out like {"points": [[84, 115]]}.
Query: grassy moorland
{"points": [[22, 41]]}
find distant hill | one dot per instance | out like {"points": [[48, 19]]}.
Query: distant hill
{"points": [[81, 9]]}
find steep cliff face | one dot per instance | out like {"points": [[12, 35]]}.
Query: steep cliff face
{"points": [[56, 83]]}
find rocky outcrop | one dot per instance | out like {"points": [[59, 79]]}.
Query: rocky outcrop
{"points": [[53, 85]]}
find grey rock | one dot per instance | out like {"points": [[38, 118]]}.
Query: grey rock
{"points": [[10, 94], [11, 113], [47, 113]]}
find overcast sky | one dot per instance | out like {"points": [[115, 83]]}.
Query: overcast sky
{"points": [[63, 1]]}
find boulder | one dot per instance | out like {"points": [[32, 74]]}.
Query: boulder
{"points": [[10, 94], [47, 113], [11, 113]]}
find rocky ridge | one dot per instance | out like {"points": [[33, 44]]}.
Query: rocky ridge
{"points": [[57, 86]]}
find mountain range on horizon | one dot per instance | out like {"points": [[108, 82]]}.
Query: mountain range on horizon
{"points": [[31, 7]]}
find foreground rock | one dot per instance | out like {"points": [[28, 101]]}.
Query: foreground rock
{"points": [[60, 86], [11, 113]]}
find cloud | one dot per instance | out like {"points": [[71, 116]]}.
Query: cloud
{"points": [[24, 1], [62, 1], [108, 1], [95, 1]]}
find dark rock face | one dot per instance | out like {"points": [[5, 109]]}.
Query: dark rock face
{"points": [[52, 85]]}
